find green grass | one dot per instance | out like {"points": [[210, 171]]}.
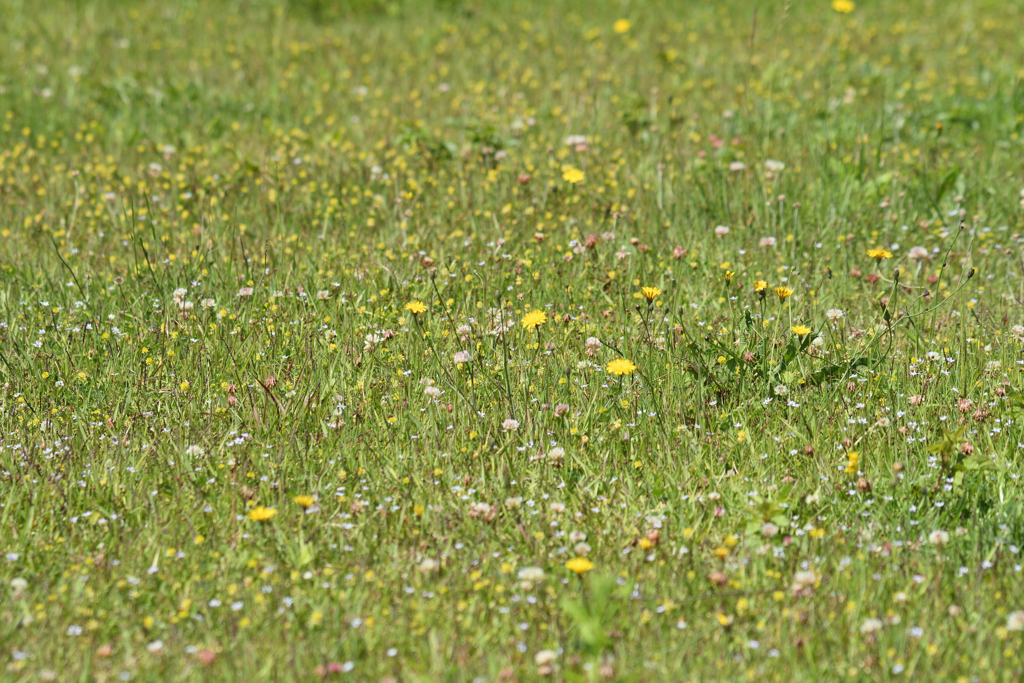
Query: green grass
{"points": [[214, 214]]}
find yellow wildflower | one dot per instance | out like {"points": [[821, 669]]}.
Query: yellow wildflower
{"points": [[620, 366], [261, 514], [650, 293], [534, 319], [572, 176], [579, 565], [416, 307]]}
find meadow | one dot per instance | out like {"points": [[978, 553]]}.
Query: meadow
{"points": [[511, 340]]}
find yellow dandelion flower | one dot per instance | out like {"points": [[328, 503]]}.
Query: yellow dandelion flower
{"points": [[304, 501], [261, 514], [729, 274], [534, 319], [621, 366], [760, 286], [843, 6], [621, 26], [579, 565], [783, 293], [801, 330], [650, 293], [852, 459], [879, 254], [572, 176], [416, 307]]}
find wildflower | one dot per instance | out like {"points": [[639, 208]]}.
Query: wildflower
{"points": [[304, 501], [760, 286], [415, 307], [371, 341], [572, 176], [843, 6], [774, 166], [245, 291], [992, 366], [195, 451], [428, 565], [737, 166], [261, 514], [561, 409], [462, 357], [323, 295], [834, 315], [650, 293], [852, 459], [767, 242], [579, 565], [781, 390], [431, 391], [510, 425], [18, 586], [783, 293], [1015, 621], [621, 366], [556, 453], [530, 576], [803, 583], [768, 529], [938, 537], [721, 230], [621, 25], [534, 319], [879, 254], [801, 330], [1017, 332], [871, 625], [917, 253], [207, 303]]}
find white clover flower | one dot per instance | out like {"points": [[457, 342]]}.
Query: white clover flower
{"points": [[510, 425], [870, 626], [1015, 621]]}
